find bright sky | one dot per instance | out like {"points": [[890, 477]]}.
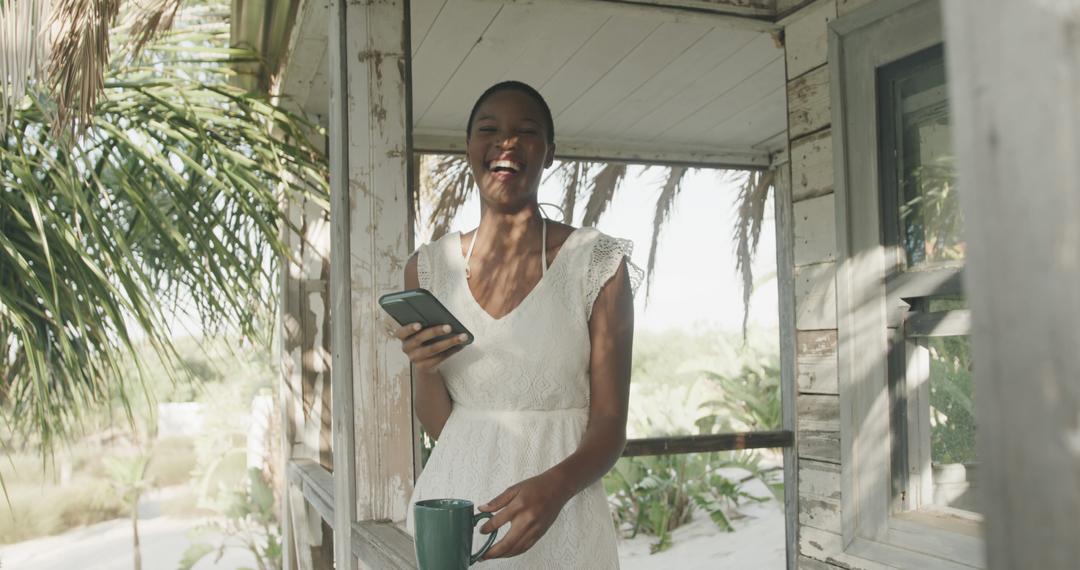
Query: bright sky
{"points": [[695, 285]]}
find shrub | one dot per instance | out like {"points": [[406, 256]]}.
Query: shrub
{"points": [[657, 494]]}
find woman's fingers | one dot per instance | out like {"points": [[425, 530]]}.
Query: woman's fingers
{"points": [[500, 501], [520, 539], [433, 362], [427, 351], [428, 356], [417, 340], [498, 504], [406, 331], [508, 544]]}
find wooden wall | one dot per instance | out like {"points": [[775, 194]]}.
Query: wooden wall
{"points": [[815, 262], [305, 387]]}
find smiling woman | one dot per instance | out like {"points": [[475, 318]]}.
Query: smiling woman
{"points": [[531, 415]]}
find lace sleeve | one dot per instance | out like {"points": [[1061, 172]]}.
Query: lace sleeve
{"points": [[423, 267], [607, 254]]}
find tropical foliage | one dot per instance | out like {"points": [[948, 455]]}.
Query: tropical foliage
{"points": [[688, 384], [952, 406], [165, 199], [655, 495], [250, 523], [129, 481]]}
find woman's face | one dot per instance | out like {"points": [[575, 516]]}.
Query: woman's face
{"points": [[508, 149]]}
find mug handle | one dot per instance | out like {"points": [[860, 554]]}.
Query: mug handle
{"points": [[491, 538]]}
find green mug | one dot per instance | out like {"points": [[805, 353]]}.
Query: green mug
{"points": [[444, 533]]}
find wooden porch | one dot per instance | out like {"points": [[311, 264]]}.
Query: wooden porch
{"points": [[747, 84]]}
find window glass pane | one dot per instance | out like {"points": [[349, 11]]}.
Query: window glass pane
{"points": [[952, 422], [930, 222], [945, 303]]}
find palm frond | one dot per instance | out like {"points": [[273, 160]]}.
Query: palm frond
{"points": [[668, 193], [171, 192], [602, 190], [146, 21], [79, 57], [452, 182], [573, 173], [750, 203], [25, 45]]}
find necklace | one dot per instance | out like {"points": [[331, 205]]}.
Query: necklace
{"points": [[543, 248]]}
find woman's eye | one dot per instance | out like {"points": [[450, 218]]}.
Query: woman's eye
{"points": [[486, 129], [527, 131]]}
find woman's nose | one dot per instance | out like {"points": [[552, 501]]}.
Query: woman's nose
{"points": [[508, 141]]}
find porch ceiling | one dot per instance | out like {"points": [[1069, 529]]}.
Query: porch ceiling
{"points": [[624, 80]]}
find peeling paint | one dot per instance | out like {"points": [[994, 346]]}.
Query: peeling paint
{"points": [[358, 187], [376, 58], [378, 112]]}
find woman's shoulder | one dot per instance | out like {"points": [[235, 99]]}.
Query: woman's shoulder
{"points": [[590, 238], [438, 244], [429, 256]]}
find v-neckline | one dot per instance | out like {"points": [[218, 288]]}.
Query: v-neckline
{"points": [[525, 299]]}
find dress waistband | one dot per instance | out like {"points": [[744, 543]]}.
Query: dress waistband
{"points": [[511, 413]]}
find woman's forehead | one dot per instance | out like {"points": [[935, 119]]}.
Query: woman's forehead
{"points": [[510, 103]]}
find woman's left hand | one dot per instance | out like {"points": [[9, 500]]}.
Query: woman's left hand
{"points": [[530, 507]]}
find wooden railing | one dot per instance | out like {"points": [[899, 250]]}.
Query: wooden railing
{"points": [[381, 544], [707, 443], [378, 544]]}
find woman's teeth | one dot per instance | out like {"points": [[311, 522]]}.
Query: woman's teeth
{"points": [[504, 165]]}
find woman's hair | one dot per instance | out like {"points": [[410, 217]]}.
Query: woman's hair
{"points": [[514, 86]]}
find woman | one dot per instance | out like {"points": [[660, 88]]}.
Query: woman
{"points": [[532, 414]]}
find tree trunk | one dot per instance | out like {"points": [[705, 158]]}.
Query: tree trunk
{"points": [[135, 532]]}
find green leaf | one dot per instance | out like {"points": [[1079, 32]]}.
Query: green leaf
{"points": [[193, 555]]}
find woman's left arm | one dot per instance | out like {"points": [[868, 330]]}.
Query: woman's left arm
{"points": [[532, 505]]}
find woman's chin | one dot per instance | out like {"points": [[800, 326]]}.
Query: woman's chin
{"points": [[508, 199]]}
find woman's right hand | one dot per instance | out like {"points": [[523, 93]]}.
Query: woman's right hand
{"points": [[428, 358]]}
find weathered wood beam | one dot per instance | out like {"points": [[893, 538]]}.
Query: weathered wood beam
{"points": [[340, 47], [302, 56], [613, 151], [785, 277], [370, 167], [707, 443], [1014, 93], [382, 545], [758, 8], [660, 11], [304, 395], [317, 485]]}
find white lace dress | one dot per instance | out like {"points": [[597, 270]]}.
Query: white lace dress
{"points": [[521, 395]]}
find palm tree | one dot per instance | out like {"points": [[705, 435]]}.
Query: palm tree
{"points": [[128, 478], [447, 181], [167, 188]]}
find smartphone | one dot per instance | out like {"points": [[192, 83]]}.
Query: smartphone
{"points": [[420, 306]]}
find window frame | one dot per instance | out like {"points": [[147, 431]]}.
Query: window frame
{"points": [[910, 326], [871, 311]]}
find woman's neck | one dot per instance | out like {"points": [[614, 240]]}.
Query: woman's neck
{"points": [[502, 233]]}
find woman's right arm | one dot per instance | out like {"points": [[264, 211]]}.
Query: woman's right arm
{"points": [[430, 399]]}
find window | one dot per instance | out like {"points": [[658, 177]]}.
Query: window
{"points": [[931, 388], [904, 362]]}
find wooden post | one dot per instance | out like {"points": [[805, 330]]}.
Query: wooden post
{"points": [[369, 173], [288, 395], [1014, 78], [785, 267]]}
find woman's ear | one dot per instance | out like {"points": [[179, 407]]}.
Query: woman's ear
{"points": [[550, 158]]}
